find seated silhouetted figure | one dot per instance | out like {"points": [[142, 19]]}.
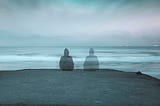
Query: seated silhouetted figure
{"points": [[91, 63], [66, 62]]}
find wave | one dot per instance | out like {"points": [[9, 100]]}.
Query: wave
{"points": [[138, 53], [10, 58], [124, 58]]}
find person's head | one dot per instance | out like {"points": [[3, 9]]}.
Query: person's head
{"points": [[91, 51], [66, 52]]}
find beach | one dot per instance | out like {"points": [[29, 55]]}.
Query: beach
{"points": [[127, 58], [79, 52], [105, 87]]}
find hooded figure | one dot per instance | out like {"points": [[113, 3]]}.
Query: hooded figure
{"points": [[91, 63], [66, 62]]}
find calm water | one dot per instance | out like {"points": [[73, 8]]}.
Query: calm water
{"points": [[126, 58]]}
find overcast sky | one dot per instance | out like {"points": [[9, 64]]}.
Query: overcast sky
{"points": [[79, 22]]}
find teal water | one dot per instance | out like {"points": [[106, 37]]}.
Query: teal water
{"points": [[126, 58]]}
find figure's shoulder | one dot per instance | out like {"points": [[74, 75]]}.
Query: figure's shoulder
{"points": [[62, 56], [66, 56], [95, 56], [69, 56], [88, 56]]}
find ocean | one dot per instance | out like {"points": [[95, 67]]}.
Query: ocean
{"points": [[126, 58]]}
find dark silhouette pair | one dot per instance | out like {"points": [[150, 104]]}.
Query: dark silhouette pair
{"points": [[91, 62]]}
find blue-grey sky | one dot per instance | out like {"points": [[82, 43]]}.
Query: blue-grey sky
{"points": [[79, 22]]}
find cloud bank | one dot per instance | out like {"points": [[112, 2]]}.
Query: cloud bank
{"points": [[107, 22]]}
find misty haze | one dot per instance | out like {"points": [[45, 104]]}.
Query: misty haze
{"points": [[80, 52]]}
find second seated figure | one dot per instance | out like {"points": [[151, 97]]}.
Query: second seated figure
{"points": [[91, 63]]}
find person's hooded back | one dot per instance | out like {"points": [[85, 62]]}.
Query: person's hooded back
{"points": [[66, 62], [91, 63], [66, 52]]}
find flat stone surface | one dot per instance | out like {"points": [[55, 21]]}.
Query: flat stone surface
{"points": [[55, 87]]}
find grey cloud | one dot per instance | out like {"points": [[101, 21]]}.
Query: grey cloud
{"points": [[77, 21]]}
